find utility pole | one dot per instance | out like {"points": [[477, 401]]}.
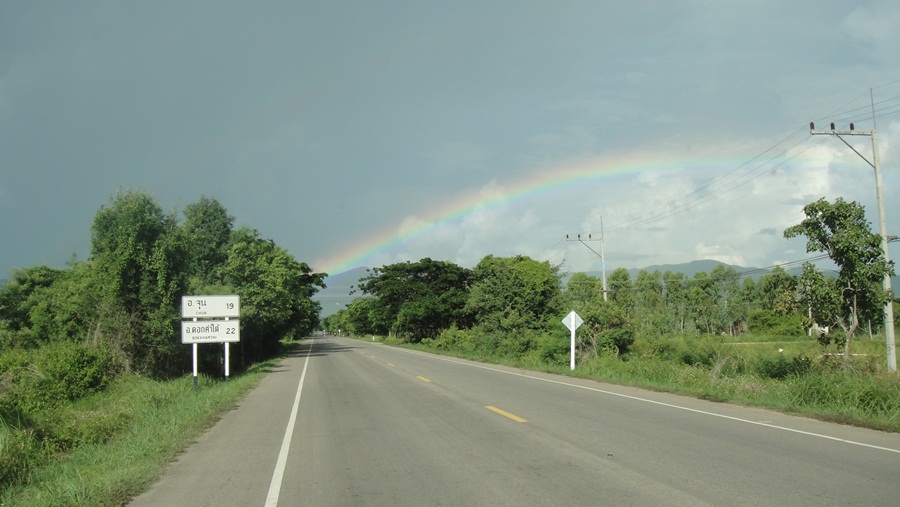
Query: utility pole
{"points": [[889, 307], [602, 258]]}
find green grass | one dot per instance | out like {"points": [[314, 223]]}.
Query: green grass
{"points": [[107, 448]]}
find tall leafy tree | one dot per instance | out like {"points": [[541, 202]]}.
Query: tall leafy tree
{"points": [[275, 291], [512, 293], [840, 230], [776, 291], [677, 300], [621, 290], [822, 297], [702, 296], [207, 227], [67, 309], [650, 303], [731, 310], [416, 299], [581, 289]]}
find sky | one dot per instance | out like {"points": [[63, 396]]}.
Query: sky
{"points": [[368, 133]]}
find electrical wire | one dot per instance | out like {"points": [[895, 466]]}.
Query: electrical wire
{"points": [[757, 166]]}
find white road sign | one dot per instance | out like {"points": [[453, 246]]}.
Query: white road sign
{"points": [[210, 306], [210, 331], [572, 321]]}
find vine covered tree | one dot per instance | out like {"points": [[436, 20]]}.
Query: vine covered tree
{"points": [[140, 261]]}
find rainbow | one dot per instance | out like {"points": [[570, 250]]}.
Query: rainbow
{"points": [[534, 186]]}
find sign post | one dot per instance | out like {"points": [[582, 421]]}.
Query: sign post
{"points": [[217, 326], [573, 322]]}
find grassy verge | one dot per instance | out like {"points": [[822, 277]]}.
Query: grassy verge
{"points": [[795, 376], [117, 442]]}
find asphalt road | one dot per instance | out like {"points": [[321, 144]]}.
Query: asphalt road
{"points": [[347, 422]]}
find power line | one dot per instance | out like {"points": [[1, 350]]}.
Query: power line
{"points": [[721, 184]]}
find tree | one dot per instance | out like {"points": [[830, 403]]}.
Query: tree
{"points": [[703, 303], [776, 291], [275, 292], [514, 293], [607, 328], [731, 310], [582, 289], [20, 295], [840, 230], [416, 300], [677, 299], [140, 263], [650, 303], [356, 318], [621, 290], [772, 304], [207, 227]]}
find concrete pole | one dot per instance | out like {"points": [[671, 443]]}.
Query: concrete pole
{"points": [[603, 261], [889, 307]]}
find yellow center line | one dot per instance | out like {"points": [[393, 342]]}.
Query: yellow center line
{"points": [[391, 364], [422, 379], [505, 414]]}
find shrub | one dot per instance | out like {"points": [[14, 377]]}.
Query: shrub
{"points": [[553, 349], [73, 371], [779, 367], [618, 339], [37, 379], [769, 322]]}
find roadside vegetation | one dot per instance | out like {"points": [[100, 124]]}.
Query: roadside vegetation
{"points": [[104, 449], [91, 354], [810, 344], [793, 375], [95, 396]]}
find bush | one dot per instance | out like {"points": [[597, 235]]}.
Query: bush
{"points": [[453, 339], [72, 371], [617, 339], [517, 343], [779, 367], [554, 349], [42, 378], [697, 352], [769, 322]]}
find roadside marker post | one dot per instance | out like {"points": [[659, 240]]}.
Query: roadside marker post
{"points": [[572, 321]]}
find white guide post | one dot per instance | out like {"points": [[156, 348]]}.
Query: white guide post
{"points": [[572, 321]]}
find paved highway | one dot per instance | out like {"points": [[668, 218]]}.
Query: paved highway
{"points": [[347, 422]]}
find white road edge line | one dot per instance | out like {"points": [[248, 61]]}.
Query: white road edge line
{"points": [[645, 400], [278, 474]]}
